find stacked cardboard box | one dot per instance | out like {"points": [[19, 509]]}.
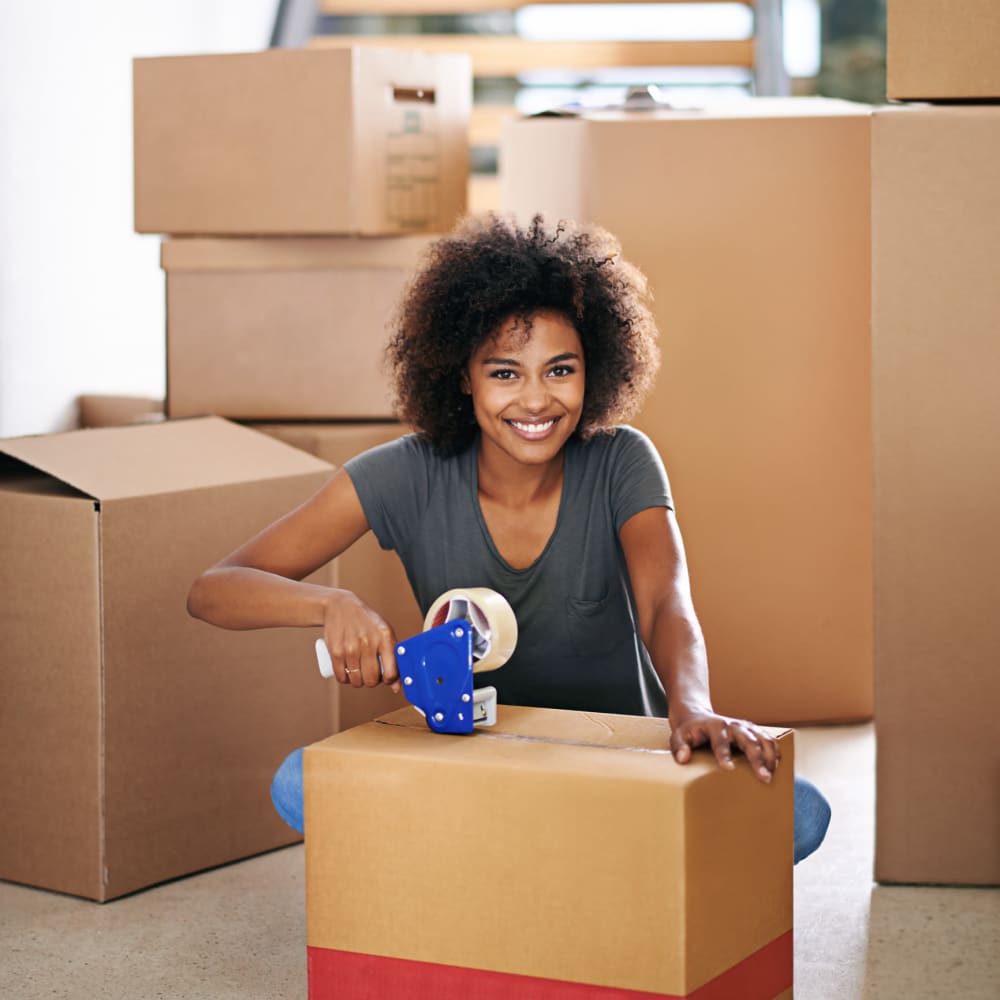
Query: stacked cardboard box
{"points": [[328, 161], [282, 329], [557, 854], [936, 351], [752, 223], [939, 51], [359, 140]]}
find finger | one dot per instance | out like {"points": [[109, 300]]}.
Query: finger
{"points": [[769, 748], [387, 658], [332, 661], [370, 672], [720, 738], [341, 672], [760, 759], [353, 667], [685, 739]]}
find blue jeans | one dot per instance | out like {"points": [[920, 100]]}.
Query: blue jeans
{"points": [[812, 811]]}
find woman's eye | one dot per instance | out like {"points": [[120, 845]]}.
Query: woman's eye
{"points": [[561, 371], [503, 374]]}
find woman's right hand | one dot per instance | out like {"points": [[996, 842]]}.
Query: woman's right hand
{"points": [[361, 644]]}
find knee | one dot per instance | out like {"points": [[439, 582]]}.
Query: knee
{"points": [[286, 791], [812, 817]]}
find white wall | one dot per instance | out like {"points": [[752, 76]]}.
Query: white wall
{"points": [[81, 295]]}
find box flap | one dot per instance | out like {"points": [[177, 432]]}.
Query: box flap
{"points": [[116, 462], [304, 253]]}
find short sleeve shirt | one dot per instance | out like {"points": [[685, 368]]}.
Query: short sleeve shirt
{"points": [[578, 638]]}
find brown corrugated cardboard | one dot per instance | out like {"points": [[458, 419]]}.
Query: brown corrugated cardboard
{"points": [[271, 329], [555, 850], [138, 743], [113, 411], [936, 350], [751, 222], [375, 575], [361, 140], [943, 51]]}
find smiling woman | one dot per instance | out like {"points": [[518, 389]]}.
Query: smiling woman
{"points": [[491, 275], [517, 354]]}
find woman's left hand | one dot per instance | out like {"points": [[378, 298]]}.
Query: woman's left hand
{"points": [[722, 734]]}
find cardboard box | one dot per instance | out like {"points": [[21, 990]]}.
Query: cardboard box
{"points": [[943, 50], [263, 329], [558, 854], [138, 743], [375, 575], [290, 141], [936, 319], [102, 410], [751, 222]]}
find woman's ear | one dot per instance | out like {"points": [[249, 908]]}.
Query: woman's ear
{"points": [[464, 383]]}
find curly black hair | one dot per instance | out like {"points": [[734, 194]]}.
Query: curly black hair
{"points": [[489, 270]]}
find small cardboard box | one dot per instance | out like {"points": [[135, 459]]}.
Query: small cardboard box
{"points": [[357, 140], [375, 575], [558, 854], [751, 221], [936, 355], [943, 50], [138, 743], [272, 329]]}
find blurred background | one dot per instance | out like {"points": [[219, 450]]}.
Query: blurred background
{"points": [[81, 295]]}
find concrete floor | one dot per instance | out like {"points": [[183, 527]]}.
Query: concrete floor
{"points": [[239, 931]]}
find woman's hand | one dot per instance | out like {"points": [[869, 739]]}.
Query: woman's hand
{"points": [[722, 734], [361, 644]]}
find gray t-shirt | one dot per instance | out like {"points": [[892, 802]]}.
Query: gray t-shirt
{"points": [[578, 644]]}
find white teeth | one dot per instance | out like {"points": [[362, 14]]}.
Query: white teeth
{"points": [[533, 428]]}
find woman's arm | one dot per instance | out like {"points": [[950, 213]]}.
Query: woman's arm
{"points": [[670, 630], [260, 585]]}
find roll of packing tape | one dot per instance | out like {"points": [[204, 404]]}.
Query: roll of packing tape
{"points": [[494, 627]]}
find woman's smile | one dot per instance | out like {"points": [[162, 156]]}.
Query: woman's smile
{"points": [[533, 430]]}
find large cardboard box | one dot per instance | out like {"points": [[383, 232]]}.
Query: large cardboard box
{"points": [[357, 140], [559, 854], [751, 221], [138, 744], [272, 329], [936, 334], [375, 575], [943, 50]]}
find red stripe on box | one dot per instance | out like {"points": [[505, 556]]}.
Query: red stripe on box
{"points": [[346, 975]]}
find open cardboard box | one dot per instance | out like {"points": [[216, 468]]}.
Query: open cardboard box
{"points": [[138, 743], [558, 854]]}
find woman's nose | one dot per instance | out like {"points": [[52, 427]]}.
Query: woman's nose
{"points": [[534, 394]]}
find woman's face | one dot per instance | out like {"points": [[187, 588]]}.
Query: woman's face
{"points": [[527, 387]]}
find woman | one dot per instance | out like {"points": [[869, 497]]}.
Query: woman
{"points": [[518, 354]]}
